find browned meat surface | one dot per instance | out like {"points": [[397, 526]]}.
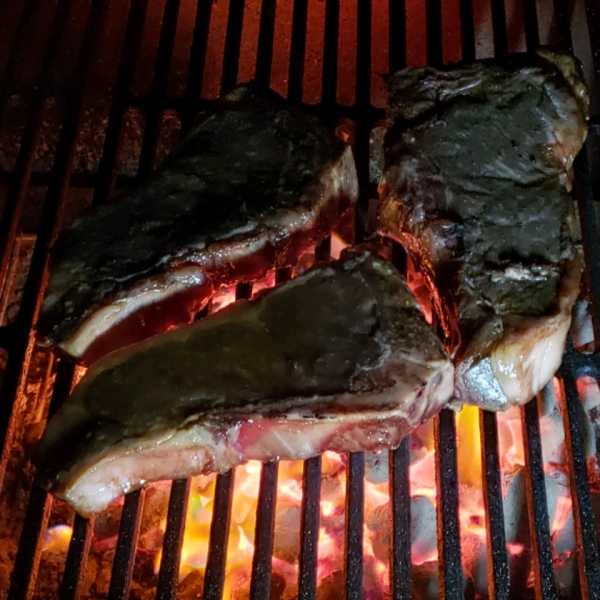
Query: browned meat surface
{"points": [[476, 186], [339, 358], [255, 183]]}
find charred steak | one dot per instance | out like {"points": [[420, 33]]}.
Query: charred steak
{"points": [[255, 183], [339, 358], [475, 185]]}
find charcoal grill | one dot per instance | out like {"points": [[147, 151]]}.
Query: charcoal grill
{"points": [[53, 51]]}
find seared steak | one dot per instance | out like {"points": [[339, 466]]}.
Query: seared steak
{"points": [[254, 184], [475, 185], [339, 358]]}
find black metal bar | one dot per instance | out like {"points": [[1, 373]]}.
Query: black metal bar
{"points": [[467, 29], [309, 529], [166, 46], [330, 53], [561, 23], [18, 359], [446, 481], [397, 34], [264, 50], [586, 547], [499, 28], [355, 500], [197, 63], [19, 37], [433, 11], [233, 38], [400, 578], [592, 10], [77, 554], [22, 580], [171, 554], [260, 584], [323, 250], [107, 167], [297, 50], [532, 34], [535, 487], [497, 556], [214, 575], [131, 516], [590, 234]]}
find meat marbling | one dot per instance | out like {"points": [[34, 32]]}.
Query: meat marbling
{"points": [[478, 166], [339, 359], [254, 184]]}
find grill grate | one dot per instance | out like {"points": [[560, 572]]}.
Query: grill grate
{"points": [[72, 95]]}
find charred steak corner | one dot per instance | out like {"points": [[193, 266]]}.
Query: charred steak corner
{"points": [[255, 183], [475, 185], [339, 359]]}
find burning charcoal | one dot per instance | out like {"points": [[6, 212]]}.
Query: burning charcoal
{"points": [[565, 570], [156, 500], [286, 541], [50, 573], [474, 560], [515, 510], [378, 523], [425, 581], [191, 586], [331, 587], [377, 467], [423, 530], [106, 524]]}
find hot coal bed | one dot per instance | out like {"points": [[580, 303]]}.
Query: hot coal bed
{"points": [[94, 94]]}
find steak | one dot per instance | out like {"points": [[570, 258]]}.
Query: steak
{"points": [[255, 183], [475, 185], [339, 359]]}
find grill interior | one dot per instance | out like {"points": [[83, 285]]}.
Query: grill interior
{"points": [[94, 93]]}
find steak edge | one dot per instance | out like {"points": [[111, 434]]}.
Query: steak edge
{"points": [[339, 359], [476, 181], [255, 183]]}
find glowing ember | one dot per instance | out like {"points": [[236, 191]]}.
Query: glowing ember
{"points": [[58, 537]]}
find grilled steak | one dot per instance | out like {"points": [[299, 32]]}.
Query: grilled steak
{"points": [[339, 358], [254, 184], [475, 185]]}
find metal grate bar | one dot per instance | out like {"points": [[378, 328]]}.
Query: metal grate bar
{"points": [[171, 554], [401, 528], [532, 36], [467, 29], [446, 481], [264, 51], [539, 527], [363, 60], [583, 517], [562, 24], [131, 516], [330, 53], [499, 28], [214, 575], [260, 584], [589, 233], [196, 65], [433, 11], [497, 556], [592, 10], [19, 39], [79, 548], [355, 500], [159, 85], [309, 528], [24, 573], [297, 50], [18, 359], [397, 34], [233, 38], [131, 45]]}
